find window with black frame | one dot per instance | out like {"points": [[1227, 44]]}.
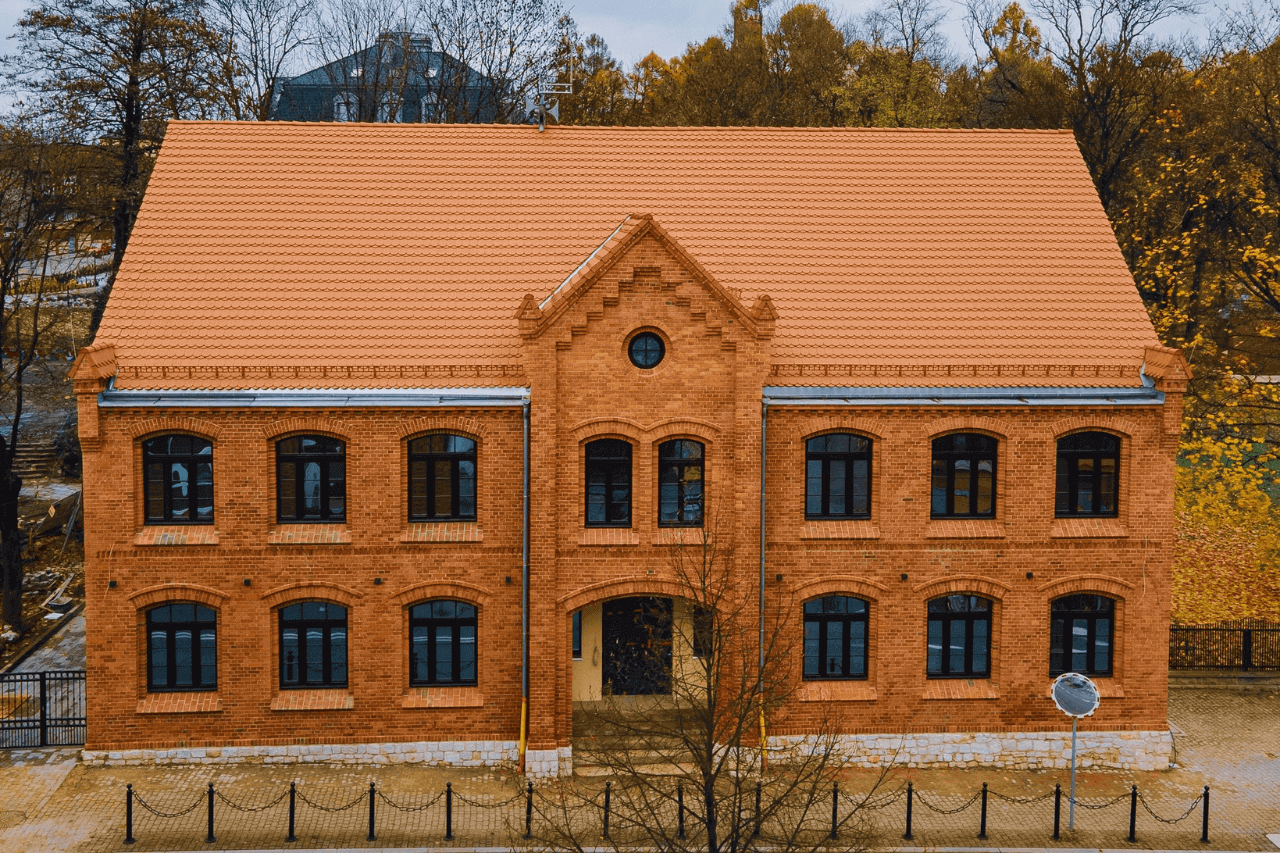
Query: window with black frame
{"points": [[442, 478], [837, 477], [680, 483], [1080, 634], [608, 492], [964, 476], [959, 637], [177, 473], [182, 648], [1088, 474], [311, 479], [835, 638], [313, 645], [442, 643]]}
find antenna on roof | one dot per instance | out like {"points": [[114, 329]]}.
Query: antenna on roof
{"points": [[539, 106]]}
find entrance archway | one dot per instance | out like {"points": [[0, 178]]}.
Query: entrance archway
{"points": [[636, 640]]}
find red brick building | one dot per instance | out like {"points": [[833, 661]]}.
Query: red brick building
{"points": [[334, 353]]}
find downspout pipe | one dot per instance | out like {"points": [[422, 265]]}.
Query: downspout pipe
{"points": [[764, 447], [524, 604]]}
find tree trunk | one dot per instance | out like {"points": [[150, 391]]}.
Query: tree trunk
{"points": [[11, 549]]}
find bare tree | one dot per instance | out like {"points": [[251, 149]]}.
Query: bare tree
{"points": [[366, 47], [260, 40]]}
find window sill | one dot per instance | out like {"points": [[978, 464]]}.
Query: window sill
{"points": [[840, 529], [442, 697], [608, 536], [681, 536], [836, 691], [442, 531], [309, 534], [1108, 687], [194, 702], [313, 700], [960, 688], [964, 528], [177, 534], [1087, 528]]}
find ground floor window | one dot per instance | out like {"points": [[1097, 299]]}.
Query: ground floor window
{"points": [[182, 648], [959, 637], [442, 648], [835, 637], [313, 645], [1080, 634]]}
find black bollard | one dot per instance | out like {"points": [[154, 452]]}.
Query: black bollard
{"points": [[907, 835], [1057, 812], [982, 824], [211, 838], [448, 811], [835, 793], [373, 836], [756, 832], [293, 806], [1204, 818], [128, 815], [1133, 814], [608, 786], [680, 810], [528, 811]]}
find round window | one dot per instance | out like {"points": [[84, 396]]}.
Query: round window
{"points": [[646, 350]]}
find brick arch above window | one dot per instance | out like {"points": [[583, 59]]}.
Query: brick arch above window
{"points": [[161, 593], [436, 590], [987, 426], [966, 584], [622, 588], [840, 585], [469, 427], [658, 431], [1102, 584], [277, 430], [607, 428], [179, 424], [816, 426], [1101, 423], [312, 590]]}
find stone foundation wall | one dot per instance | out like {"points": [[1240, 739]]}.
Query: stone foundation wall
{"points": [[449, 753]]}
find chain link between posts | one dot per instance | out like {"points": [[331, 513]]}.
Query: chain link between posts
{"points": [[1021, 800], [199, 802], [1183, 816], [869, 802], [922, 801], [420, 808], [357, 801], [277, 801], [518, 798]]}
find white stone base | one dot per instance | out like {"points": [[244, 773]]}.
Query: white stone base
{"points": [[486, 753], [547, 763], [1122, 750]]}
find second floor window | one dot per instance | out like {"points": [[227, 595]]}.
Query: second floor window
{"points": [[313, 645], [837, 477], [680, 483], [442, 478], [608, 483], [964, 476], [1080, 634], [1088, 463], [959, 637], [178, 476], [311, 479]]}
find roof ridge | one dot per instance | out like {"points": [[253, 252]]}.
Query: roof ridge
{"points": [[337, 126]]}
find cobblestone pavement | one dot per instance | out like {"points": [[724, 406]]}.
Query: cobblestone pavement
{"points": [[65, 650], [1225, 739]]}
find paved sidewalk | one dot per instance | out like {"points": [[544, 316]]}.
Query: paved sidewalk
{"points": [[1226, 739]]}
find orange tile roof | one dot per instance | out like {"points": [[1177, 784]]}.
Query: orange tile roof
{"points": [[340, 255]]}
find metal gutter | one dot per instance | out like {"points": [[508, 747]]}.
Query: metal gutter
{"points": [[783, 395], [764, 447], [524, 605], [308, 398]]}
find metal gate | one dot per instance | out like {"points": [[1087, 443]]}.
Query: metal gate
{"points": [[42, 709]]}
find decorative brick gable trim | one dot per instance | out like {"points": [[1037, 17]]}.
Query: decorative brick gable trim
{"points": [[963, 423], [179, 423], [443, 589], [309, 424], [963, 583], [159, 593], [840, 584], [469, 427], [311, 590], [1086, 583], [1095, 423]]}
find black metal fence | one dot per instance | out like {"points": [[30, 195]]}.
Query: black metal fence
{"points": [[1243, 646], [42, 709]]}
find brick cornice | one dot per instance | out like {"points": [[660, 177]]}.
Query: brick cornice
{"points": [[176, 423], [311, 590], [1085, 583], [963, 583], [308, 424], [443, 589], [205, 595]]}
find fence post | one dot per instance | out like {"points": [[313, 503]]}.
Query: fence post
{"points": [[907, 835], [1057, 811], [1246, 649], [608, 786], [448, 811], [128, 815], [211, 837], [1204, 818], [372, 794], [528, 811], [982, 825], [756, 831], [1133, 813], [680, 810], [44, 710], [293, 793], [835, 793]]}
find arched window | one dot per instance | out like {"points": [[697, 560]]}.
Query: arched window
{"points": [[608, 491], [313, 645], [959, 637], [835, 637], [680, 483], [837, 477], [1088, 474], [442, 643], [1080, 634], [964, 476], [311, 479], [182, 648], [177, 471], [442, 478]]}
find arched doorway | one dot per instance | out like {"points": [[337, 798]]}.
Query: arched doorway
{"points": [[636, 642]]}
